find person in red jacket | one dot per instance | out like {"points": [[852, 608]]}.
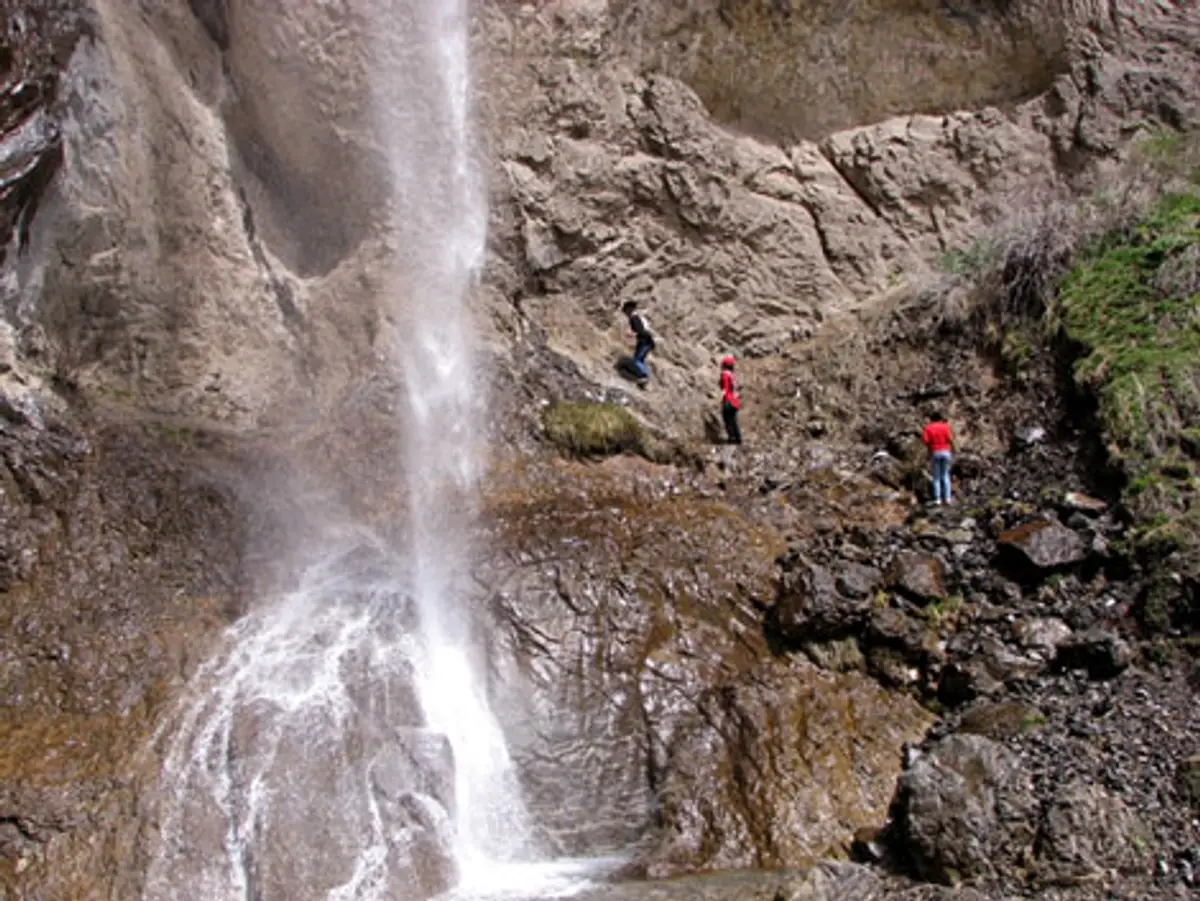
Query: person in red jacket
{"points": [[731, 401], [940, 443]]}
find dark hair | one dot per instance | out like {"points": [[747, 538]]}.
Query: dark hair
{"points": [[629, 306], [937, 416]]}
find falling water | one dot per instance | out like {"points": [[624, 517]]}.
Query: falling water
{"points": [[342, 746], [423, 95]]}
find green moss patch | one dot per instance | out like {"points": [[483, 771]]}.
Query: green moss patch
{"points": [[593, 429]]}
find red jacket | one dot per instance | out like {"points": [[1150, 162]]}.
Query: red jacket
{"points": [[729, 389], [937, 437]]}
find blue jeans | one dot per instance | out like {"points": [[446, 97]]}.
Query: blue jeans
{"points": [[639, 358], [941, 476]]}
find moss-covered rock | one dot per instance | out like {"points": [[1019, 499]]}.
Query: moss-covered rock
{"points": [[592, 429]]}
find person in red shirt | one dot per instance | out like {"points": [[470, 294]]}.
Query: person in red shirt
{"points": [[731, 402], [940, 443]]}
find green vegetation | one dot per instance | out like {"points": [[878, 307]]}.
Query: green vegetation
{"points": [[1130, 308], [593, 429], [943, 609], [1140, 332]]}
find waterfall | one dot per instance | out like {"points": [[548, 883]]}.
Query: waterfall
{"points": [[340, 746], [440, 226]]}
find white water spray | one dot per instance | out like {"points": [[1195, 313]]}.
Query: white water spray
{"points": [[423, 96]]}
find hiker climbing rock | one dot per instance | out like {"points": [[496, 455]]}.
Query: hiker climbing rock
{"points": [[940, 443], [645, 340], [731, 401]]}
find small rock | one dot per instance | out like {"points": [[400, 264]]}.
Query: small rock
{"points": [[1044, 544], [1029, 437], [1041, 633], [890, 667], [868, 845], [1082, 503], [1188, 779], [1103, 654], [917, 576], [857, 581], [1078, 521], [960, 683]]}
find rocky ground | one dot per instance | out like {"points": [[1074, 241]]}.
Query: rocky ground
{"points": [[1062, 756]]}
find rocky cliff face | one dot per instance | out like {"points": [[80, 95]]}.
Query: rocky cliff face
{"points": [[195, 294], [720, 163]]}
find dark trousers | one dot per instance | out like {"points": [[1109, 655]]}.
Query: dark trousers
{"points": [[644, 346], [729, 414]]}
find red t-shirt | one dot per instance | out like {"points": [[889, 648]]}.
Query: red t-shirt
{"points": [[937, 437], [729, 389]]}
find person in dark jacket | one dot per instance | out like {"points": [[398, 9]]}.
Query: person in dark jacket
{"points": [[644, 340], [731, 401]]}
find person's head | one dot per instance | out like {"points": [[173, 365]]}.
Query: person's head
{"points": [[728, 362], [628, 307], [936, 416]]}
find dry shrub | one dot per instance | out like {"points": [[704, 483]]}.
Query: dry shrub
{"points": [[1010, 277]]}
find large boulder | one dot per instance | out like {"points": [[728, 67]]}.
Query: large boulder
{"points": [[967, 810], [1037, 548], [1089, 833], [814, 604], [762, 775]]}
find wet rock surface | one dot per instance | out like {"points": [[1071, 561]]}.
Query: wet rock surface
{"points": [[122, 558], [968, 809]]}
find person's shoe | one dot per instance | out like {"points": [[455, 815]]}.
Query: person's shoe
{"points": [[642, 383]]}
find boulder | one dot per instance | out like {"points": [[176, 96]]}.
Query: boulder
{"points": [[854, 580], [937, 893], [917, 576], [1043, 546], [967, 810], [763, 775], [828, 881], [810, 607], [986, 671], [1088, 832]]}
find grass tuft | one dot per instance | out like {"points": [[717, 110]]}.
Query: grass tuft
{"points": [[593, 429]]}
